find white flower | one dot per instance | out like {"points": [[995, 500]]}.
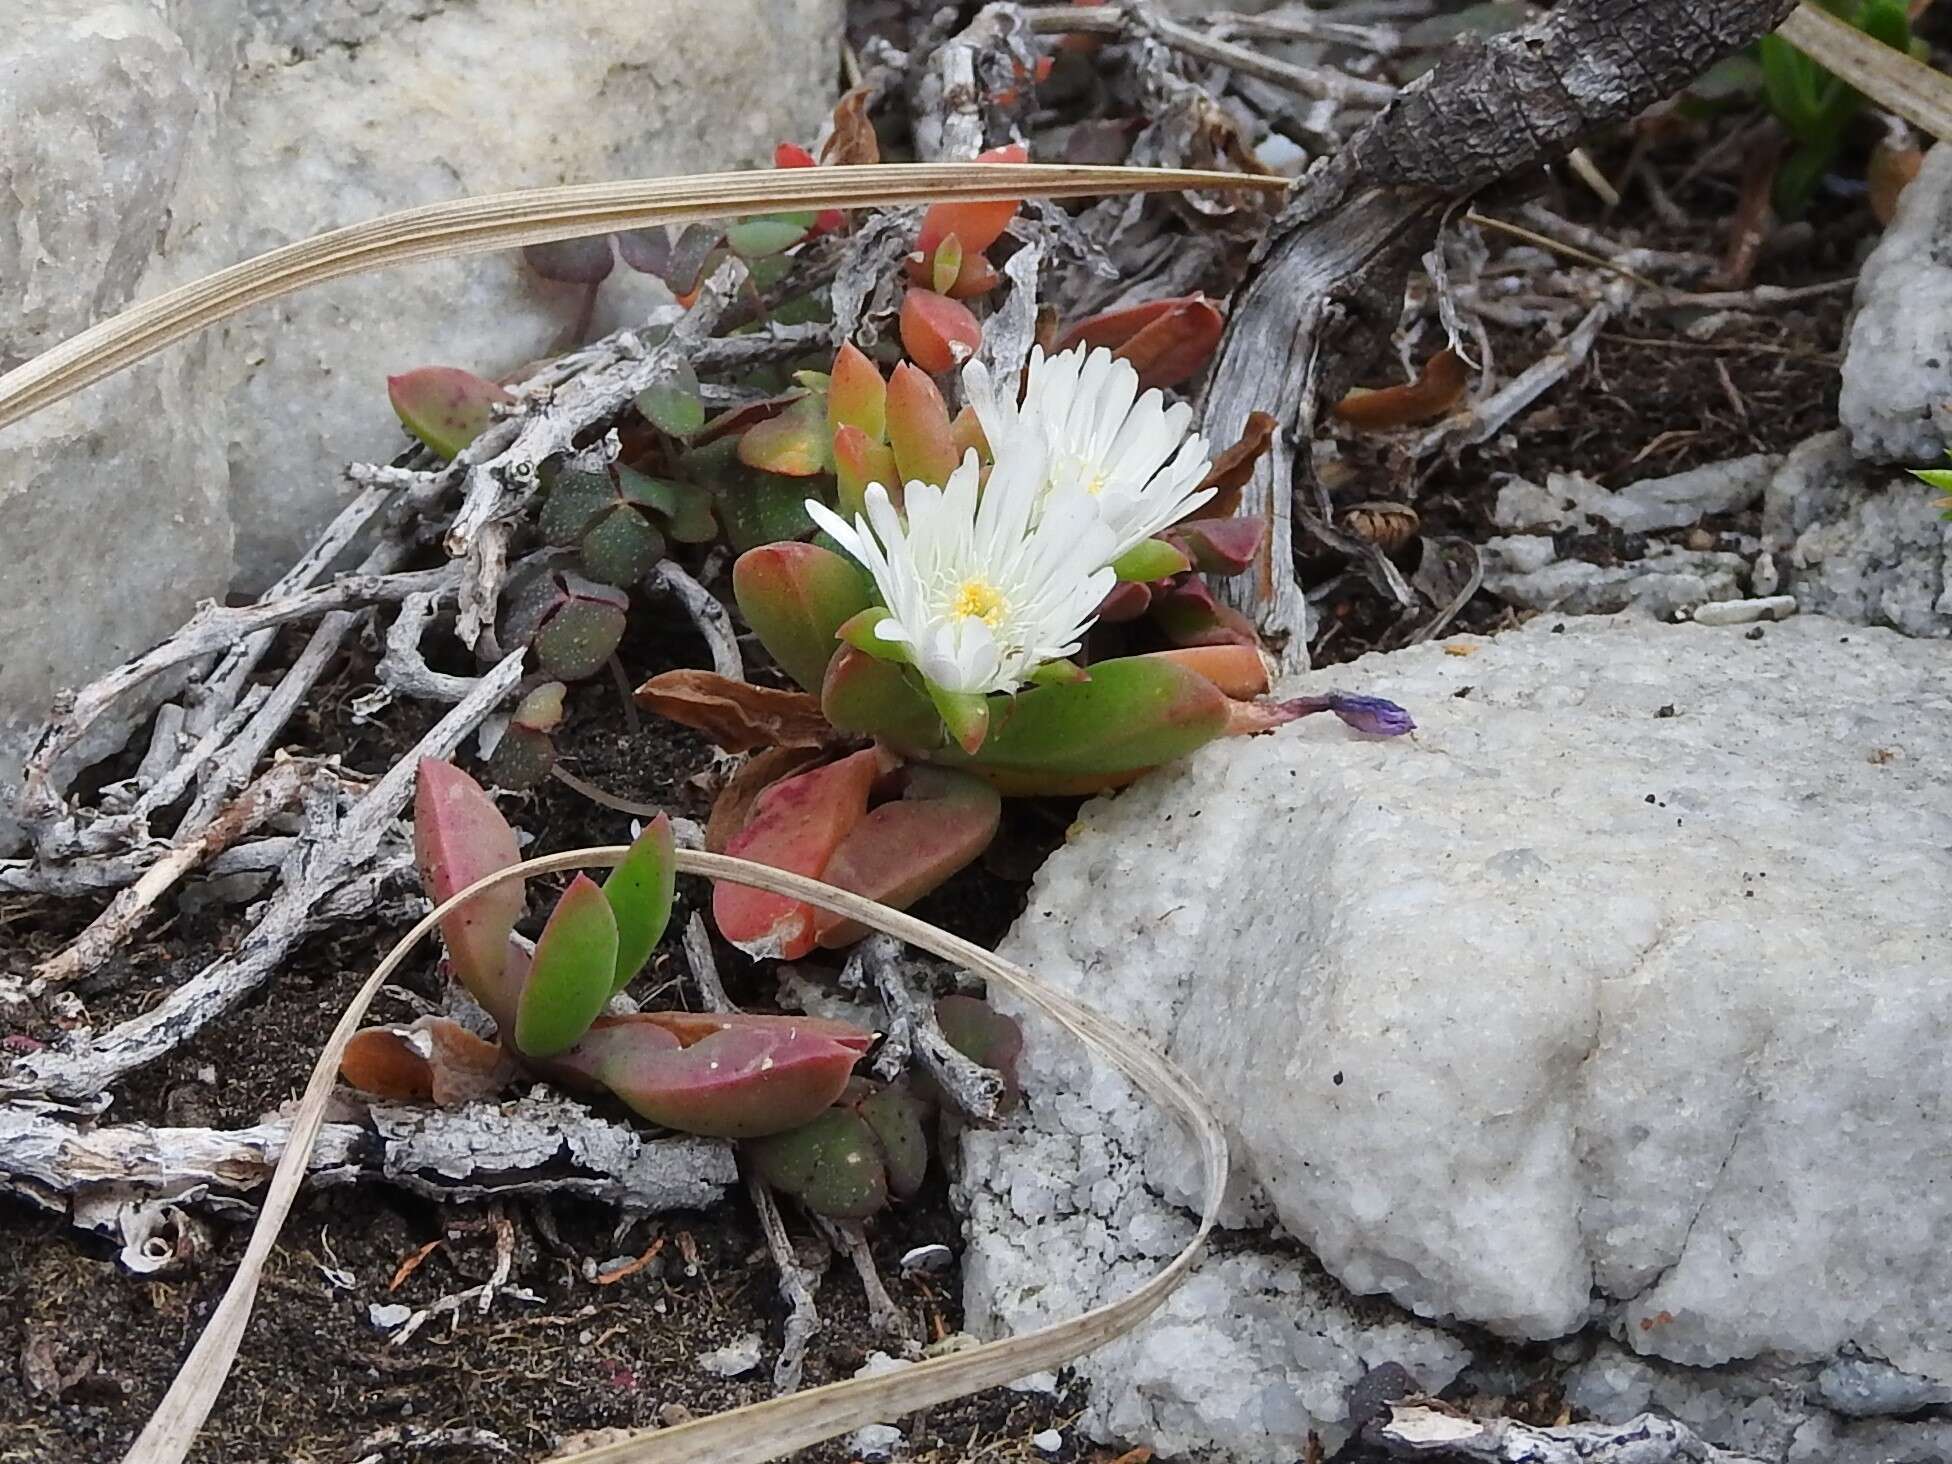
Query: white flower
{"points": [[983, 587], [1130, 452]]}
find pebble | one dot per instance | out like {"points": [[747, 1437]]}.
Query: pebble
{"points": [[388, 1315], [1049, 1441], [1742, 612], [927, 1258], [1765, 579], [876, 1441], [734, 1359]]}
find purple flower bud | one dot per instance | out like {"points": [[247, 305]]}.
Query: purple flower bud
{"points": [[1370, 714]]}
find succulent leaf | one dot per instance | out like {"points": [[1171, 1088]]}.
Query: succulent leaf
{"points": [[459, 836], [621, 547], [522, 759], [571, 261], [982, 1034], [673, 405], [875, 698], [938, 333], [1220, 545], [1167, 341], [739, 1083], [795, 443], [856, 394], [905, 849], [796, 597], [583, 632], [640, 891], [1154, 559], [859, 461], [918, 428], [832, 1165], [444, 406], [571, 973], [895, 1117], [576, 496], [796, 824]]}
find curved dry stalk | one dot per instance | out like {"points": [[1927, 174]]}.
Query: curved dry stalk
{"points": [[769, 1430], [1897, 83], [546, 215]]}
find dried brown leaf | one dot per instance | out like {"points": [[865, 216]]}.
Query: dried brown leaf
{"points": [[1232, 469], [852, 140], [1439, 387], [736, 715]]}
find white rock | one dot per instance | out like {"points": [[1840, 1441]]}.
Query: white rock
{"points": [[1745, 612], [735, 1359], [1049, 1441], [1615, 994], [1896, 402], [876, 1441], [1666, 582], [1862, 543], [342, 115]]}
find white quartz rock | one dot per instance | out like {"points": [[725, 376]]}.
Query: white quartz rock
{"points": [[1616, 991], [1896, 402]]}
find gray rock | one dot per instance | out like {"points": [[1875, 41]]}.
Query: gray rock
{"points": [[1571, 500], [1862, 543], [1897, 380], [1613, 997], [1667, 581]]}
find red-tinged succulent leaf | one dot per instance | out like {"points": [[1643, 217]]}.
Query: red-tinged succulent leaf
{"points": [[1059, 673], [874, 698], [858, 461], [692, 255], [862, 632], [621, 547], [444, 406], [583, 632], [690, 1027], [918, 428], [640, 891], [732, 809], [1167, 341], [904, 849], [983, 1034], [1149, 561], [966, 434], [571, 974], [1239, 671], [796, 597], [1439, 387], [740, 419], [795, 443], [459, 837], [831, 1165], [796, 825], [1134, 713], [571, 261], [1190, 616], [740, 1083], [736, 715], [1221, 545], [856, 394], [522, 759], [1235, 466], [977, 277], [1126, 602], [938, 333], [434, 1060], [792, 155], [896, 1118], [977, 225]]}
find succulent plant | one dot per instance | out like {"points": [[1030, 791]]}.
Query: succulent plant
{"points": [[573, 624], [732, 1076], [444, 406]]}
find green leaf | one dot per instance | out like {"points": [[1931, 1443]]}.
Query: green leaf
{"points": [[879, 699], [832, 1165], [859, 632], [571, 975], [621, 547], [768, 234], [640, 891], [576, 496], [796, 597], [1154, 559], [444, 406], [674, 405], [895, 1117], [574, 642], [964, 713]]}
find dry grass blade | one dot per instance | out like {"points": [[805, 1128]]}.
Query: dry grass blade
{"points": [[769, 1430], [545, 215], [1897, 83]]}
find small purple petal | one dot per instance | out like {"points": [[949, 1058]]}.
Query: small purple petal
{"points": [[1370, 714]]}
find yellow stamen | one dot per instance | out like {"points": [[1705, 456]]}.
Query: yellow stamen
{"points": [[979, 600]]}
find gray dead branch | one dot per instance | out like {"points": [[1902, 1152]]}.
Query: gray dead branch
{"points": [[1328, 283], [542, 1144]]}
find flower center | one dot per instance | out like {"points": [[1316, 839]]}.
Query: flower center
{"points": [[977, 599]]}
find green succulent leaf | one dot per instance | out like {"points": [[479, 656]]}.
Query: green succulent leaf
{"points": [[879, 699], [768, 234], [571, 974], [640, 891], [896, 1117], [621, 547], [1155, 559], [832, 1165], [674, 405], [796, 597], [576, 496], [522, 759], [444, 406]]}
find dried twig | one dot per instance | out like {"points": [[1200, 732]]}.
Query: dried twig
{"points": [[913, 1030], [1421, 1431], [796, 1287], [713, 621], [322, 861]]}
